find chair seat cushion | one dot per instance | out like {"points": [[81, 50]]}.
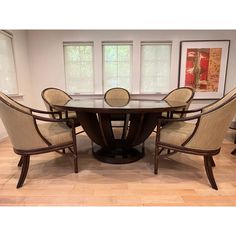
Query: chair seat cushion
{"points": [[56, 133], [176, 132]]}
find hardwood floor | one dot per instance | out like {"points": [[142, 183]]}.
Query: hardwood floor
{"points": [[181, 180]]}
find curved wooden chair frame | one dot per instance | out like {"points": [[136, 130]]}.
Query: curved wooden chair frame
{"points": [[207, 154], [170, 114], [25, 154]]}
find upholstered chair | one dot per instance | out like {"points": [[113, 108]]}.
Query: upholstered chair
{"points": [[204, 137], [118, 97], [30, 133], [55, 96], [117, 93], [183, 94]]}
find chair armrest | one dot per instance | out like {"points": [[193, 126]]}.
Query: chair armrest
{"points": [[70, 120], [198, 115], [187, 111], [181, 119], [45, 112]]}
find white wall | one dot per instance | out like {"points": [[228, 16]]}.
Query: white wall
{"points": [[23, 74], [46, 53]]}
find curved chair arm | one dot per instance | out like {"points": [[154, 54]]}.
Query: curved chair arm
{"points": [[70, 120], [45, 112], [198, 115], [187, 111]]}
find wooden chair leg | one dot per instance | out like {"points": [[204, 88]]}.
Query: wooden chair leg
{"points": [[24, 171], [143, 149], [208, 168], [76, 165], [212, 161], [20, 161], [233, 152], [156, 160], [156, 156], [75, 150]]}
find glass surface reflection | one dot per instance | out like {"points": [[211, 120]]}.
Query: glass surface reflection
{"points": [[117, 102]]}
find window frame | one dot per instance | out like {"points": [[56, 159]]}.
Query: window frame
{"points": [[11, 37], [79, 43]]}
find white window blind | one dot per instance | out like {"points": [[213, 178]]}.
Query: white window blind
{"points": [[79, 67], [117, 65], [8, 82], [155, 67]]}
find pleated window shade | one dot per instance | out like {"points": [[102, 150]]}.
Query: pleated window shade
{"points": [[155, 67], [117, 65], [8, 81], [79, 68]]}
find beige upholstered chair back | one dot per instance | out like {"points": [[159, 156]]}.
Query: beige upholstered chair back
{"points": [[19, 125], [213, 126], [54, 96], [117, 93], [183, 94]]}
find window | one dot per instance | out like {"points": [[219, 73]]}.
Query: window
{"points": [[8, 82], [79, 67], [117, 69], [155, 67]]}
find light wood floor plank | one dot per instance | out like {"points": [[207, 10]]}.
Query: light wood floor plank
{"points": [[181, 180]]}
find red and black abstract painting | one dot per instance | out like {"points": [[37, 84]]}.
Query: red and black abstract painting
{"points": [[203, 69]]}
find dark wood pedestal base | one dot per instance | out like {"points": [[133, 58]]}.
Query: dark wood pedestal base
{"points": [[118, 155]]}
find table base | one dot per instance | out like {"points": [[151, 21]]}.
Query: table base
{"points": [[118, 155]]}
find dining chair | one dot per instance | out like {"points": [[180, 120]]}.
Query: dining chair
{"points": [[30, 133], [117, 93], [203, 138], [182, 94], [118, 97], [55, 96]]}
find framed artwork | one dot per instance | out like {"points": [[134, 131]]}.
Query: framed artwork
{"points": [[203, 67]]}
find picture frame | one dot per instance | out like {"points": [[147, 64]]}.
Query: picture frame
{"points": [[203, 67]]}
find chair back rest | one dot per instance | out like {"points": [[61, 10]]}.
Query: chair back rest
{"points": [[117, 93], [19, 124], [54, 96], [212, 126], [183, 94], [117, 97]]}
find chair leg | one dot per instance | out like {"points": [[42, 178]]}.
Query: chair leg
{"points": [[92, 147], [233, 152], [20, 161], [24, 171], [76, 165], [156, 156], [143, 149], [156, 160], [212, 161], [208, 168], [75, 150]]}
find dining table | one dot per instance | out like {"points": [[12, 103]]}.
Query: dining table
{"points": [[140, 119]]}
